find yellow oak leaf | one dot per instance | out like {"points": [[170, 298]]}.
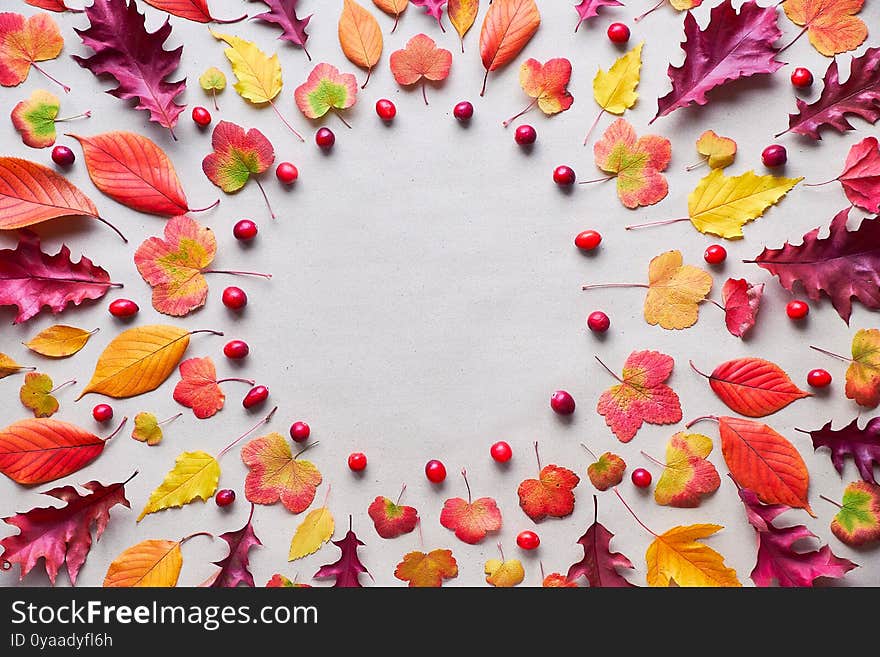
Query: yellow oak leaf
{"points": [[718, 151], [360, 37], [36, 394], [615, 89], [8, 366], [427, 570], [151, 563], [674, 291], [59, 341], [315, 530], [258, 75], [194, 476], [830, 24], [504, 573], [676, 556], [687, 475]]}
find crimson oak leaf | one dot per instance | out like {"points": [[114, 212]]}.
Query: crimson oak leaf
{"points": [[599, 565], [588, 9], [863, 445], [348, 567], [235, 567], [283, 14]]}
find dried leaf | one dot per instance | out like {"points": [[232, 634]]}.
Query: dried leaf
{"points": [[151, 563], [615, 89], [688, 476], [325, 89], [315, 530], [550, 494], [147, 429], [198, 387], [420, 60], [507, 27], [213, 80], [587, 9], [258, 75], [237, 156], [283, 14], [25, 41], [462, 14], [718, 151], [276, 474], [8, 366], [36, 394], [741, 301], [863, 373], [427, 570], [194, 476], [235, 567], [34, 118], [861, 175], [504, 574], [607, 471], [675, 291], [392, 519], [863, 445], [471, 521], [858, 521], [676, 556], [360, 37], [636, 162], [599, 565], [192, 10], [547, 84], [830, 24], [346, 570], [59, 341]]}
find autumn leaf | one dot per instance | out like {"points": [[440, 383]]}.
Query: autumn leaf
{"points": [[59, 341], [462, 14], [687, 474], [427, 570], [360, 37], [507, 27], [235, 566], [600, 565], [718, 151], [863, 373], [557, 581], [326, 89], [741, 301], [346, 570], [861, 175], [396, 8], [8, 366], [151, 563], [636, 162], [419, 61], [433, 8], [392, 519], [863, 445], [471, 520], [830, 24], [640, 396], [501, 573], [192, 10], [548, 495], [199, 387], [676, 555], [36, 394], [283, 14], [194, 476], [587, 9], [23, 43], [213, 80], [148, 429], [276, 474], [607, 471], [858, 520], [678, 5], [315, 530], [546, 84], [615, 89], [35, 119], [674, 291], [278, 581]]}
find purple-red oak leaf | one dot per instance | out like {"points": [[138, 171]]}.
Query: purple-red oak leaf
{"points": [[599, 564], [733, 45], [432, 8], [844, 265], [588, 9], [283, 14], [863, 445], [235, 567], [348, 567], [31, 279], [135, 57]]}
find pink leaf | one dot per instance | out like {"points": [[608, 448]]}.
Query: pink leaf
{"points": [[283, 14], [861, 175], [432, 8], [235, 567], [588, 9], [741, 301]]}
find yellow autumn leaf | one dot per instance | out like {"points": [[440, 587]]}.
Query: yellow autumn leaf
{"points": [[504, 573], [360, 37], [59, 341], [194, 476], [313, 532], [148, 429], [462, 14], [36, 394], [718, 151], [138, 360], [615, 89], [676, 556], [722, 205], [674, 291], [258, 75], [150, 563], [8, 366]]}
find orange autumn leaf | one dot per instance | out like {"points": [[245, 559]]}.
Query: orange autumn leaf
{"points": [[471, 520], [547, 84], [276, 474], [687, 475], [550, 494], [420, 60], [507, 27], [360, 37], [830, 25], [151, 563], [675, 291], [25, 41], [607, 471], [198, 388], [427, 570], [558, 581], [392, 8]]}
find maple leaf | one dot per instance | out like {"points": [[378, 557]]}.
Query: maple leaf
{"points": [[733, 45], [419, 61], [548, 495], [830, 24], [741, 301], [392, 519], [858, 521], [676, 555], [326, 89], [640, 396], [62, 535], [777, 560], [427, 570], [687, 474], [504, 573], [587, 9], [345, 570], [35, 117], [135, 57], [283, 14], [31, 279], [718, 151], [470, 520], [23, 43], [599, 565], [198, 387], [276, 474], [637, 163], [863, 445], [861, 175], [235, 567], [547, 84], [675, 291], [607, 471], [433, 8], [237, 156], [36, 394]]}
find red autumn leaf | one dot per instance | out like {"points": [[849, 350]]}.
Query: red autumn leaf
{"points": [[198, 387], [31, 279], [859, 95], [777, 560], [471, 520], [432, 8], [51, 5], [392, 519], [62, 535], [548, 495], [599, 565], [753, 387], [192, 10], [733, 46], [235, 566], [420, 60], [588, 9], [278, 581], [558, 581], [124, 49], [283, 14], [427, 570], [741, 301], [863, 445], [861, 175], [348, 567], [607, 471], [844, 265]]}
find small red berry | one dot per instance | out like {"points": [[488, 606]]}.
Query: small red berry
{"points": [[102, 412], [463, 111], [255, 396], [588, 240], [715, 254], [819, 378], [528, 540], [525, 135], [501, 452], [236, 349], [435, 471], [564, 176], [123, 308], [325, 138], [357, 461], [63, 156], [598, 322], [201, 116], [801, 77], [618, 33], [286, 173], [797, 309], [774, 156], [244, 230], [234, 297], [562, 402], [641, 478], [385, 109], [300, 431], [224, 497]]}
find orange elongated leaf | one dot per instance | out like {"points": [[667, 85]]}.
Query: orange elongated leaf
{"points": [[360, 37], [507, 27], [8, 366], [23, 43], [830, 25], [420, 569], [151, 563]]}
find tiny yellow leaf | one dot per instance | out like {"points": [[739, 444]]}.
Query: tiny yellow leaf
{"points": [[147, 429], [194, 476], [8, 366], [36, 394], [718, 151], [675, 291], [313, 532], [615, 89], [258, 75], [150, 563], [504, 573], [677, 556], [213, 79], [59, 341]]}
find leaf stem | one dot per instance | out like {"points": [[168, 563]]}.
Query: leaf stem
{"points": [[227, 21], [699, 164], [424, 92], [367, 81], [250, 382], [516, 116], [715, 303], [85, 115], [694, 368], [305, 449], [633, 513], [61, 385], [186, 538], [467, 485], [205, 209], [214, 98], [402, 491], [701, 417], [827, 182], [651, 10], [590, 452], [832, 354], [485, 79], [596, 180], [652, 459], [265, 198], [236, 272], [114, 228], [651, 224], [170, 419], [597, 286], [246, 433], [793, 41], [211, 331], [608, 369], [284, 121], [60, 84], [802, 431], [117, 429], [828, 499], [538, 457], [593, 126], [396, 22], [342, 118]]}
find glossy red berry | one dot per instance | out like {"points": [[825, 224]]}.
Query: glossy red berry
{"points": [[598, 322], [435, 471], [774, 156], [236, 349], [255, 396], [201, 116], [123, 308], [102, 412], [357, 461], [234, 297], [463, 111], [224, 497], [801, 77], [819, 378], [715, 254], [385, 109], [245, 230], [286, 173], [501, 452], [63, 156], [525, 135], [528, 540], [562, 402], [641, 477], [618, 33], [300, 431], [797, 309], [588, 240], [563, 175], [325, 138]]}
